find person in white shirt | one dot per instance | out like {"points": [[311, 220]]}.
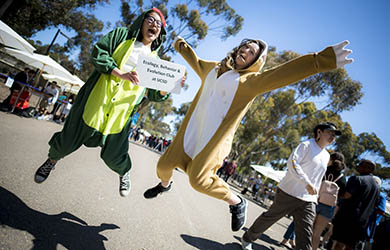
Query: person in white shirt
{"points": [[297, 191], [50, 97]]}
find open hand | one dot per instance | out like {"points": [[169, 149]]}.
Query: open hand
{"points": [[342, 53]]}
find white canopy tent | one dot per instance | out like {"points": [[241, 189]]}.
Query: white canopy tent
{"points": [[42, 62], [72, 85], [269, 172], [12, 39]]}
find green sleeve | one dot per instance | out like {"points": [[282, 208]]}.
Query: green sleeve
{"points": [[155, 96], [102, 51]]}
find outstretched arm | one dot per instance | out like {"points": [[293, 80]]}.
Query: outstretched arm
{"points": [[201, 67], [297, 69]]}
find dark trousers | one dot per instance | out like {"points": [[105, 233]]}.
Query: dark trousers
{"points": [[302, 211]]}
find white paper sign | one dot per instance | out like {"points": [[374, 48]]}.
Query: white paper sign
{"points": [[9, 82], [159, 74]]}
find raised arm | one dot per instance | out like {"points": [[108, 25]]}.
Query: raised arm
{"points": [[102, 51], [201, 67], [298, 69]]}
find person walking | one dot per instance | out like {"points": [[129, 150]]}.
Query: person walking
{"points": [[297, 191], [359, 199]]}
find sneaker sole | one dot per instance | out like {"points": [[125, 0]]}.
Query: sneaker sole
{"points": [[246, 211], [124, 193]]}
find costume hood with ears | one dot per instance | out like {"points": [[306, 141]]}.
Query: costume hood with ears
{"points": [[258, 64], [136, 27]]}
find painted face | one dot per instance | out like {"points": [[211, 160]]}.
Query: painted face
{"points": [[246, 55], [151, 27]]}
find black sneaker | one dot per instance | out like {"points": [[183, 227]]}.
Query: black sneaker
{"points": [[44, 171], [154, 191], [124, 184], [238, 212]]}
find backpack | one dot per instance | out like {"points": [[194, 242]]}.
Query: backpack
{"points": [[329, 191]]}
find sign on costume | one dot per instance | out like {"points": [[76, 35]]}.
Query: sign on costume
{"points": [[159, 74]]}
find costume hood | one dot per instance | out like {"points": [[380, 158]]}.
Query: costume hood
{"points": [[257, 65], [136, 26]]}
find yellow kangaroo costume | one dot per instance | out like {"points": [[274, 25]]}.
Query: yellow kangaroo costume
{"points": [[206, 133]]}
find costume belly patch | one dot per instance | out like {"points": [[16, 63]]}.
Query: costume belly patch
{"points": [[215, 100]]}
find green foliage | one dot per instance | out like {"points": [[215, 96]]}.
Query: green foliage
{"points": [[279, 120], [192, 20], [151, 115], [29, 17]]}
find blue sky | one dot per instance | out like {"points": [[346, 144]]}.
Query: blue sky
{"points": [[307, 26]]}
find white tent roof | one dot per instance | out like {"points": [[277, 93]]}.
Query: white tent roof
{"points": [[269, 172], [12, 39], [42, 62]]}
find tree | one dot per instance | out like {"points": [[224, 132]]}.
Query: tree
{"points": [[180, 113], [188, 19], [28, 17], [278, 120]]}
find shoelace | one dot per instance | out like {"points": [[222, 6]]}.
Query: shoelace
{"points": [[124, 184], [46, 168]]}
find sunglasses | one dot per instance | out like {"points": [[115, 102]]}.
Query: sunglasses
{"points": [[152, 20]]}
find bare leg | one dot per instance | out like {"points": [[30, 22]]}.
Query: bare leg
{"points": [[320, 223], [233, 199]]}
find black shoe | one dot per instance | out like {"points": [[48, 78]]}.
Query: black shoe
{"points": [[44, 171], [124, 184], [238, 212], [154, 191]]}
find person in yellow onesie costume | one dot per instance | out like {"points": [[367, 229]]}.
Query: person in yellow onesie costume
{"points": [[228, 89]]}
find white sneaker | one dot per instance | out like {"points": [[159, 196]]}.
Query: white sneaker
{"points": [[124, 184], [246, 245]]}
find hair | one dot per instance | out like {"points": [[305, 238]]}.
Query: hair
{"points": [[156, 43], [337, 156], [337, 165], [229, 63], [369, 164], [322, 127]]}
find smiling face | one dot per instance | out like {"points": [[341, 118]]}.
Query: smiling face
{"points": [[246, 55], [151, 28]]}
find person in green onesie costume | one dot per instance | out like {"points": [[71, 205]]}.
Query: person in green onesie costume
{"points": [[102, 112]]}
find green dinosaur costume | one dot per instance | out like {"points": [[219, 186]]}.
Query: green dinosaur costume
{"points": [[102, 113]]}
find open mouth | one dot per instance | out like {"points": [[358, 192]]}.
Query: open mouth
{"points": [[152, 32]]}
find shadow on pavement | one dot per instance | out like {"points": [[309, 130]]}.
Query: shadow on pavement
{"points": [[262, 237], [205, 244], [50, 230]]}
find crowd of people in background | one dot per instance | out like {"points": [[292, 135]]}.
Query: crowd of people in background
{"points": [[155, 142], [53, 104]]}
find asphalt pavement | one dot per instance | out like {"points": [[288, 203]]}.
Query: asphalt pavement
{"points": [[79, 206]]}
